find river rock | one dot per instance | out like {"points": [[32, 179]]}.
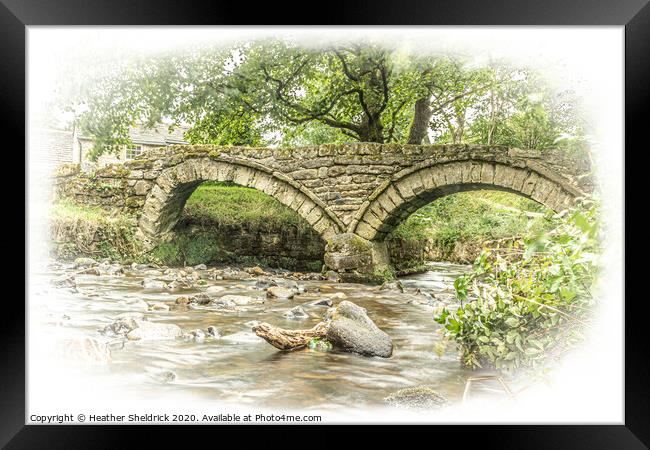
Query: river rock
{"points": [[90, 271], [330, 275], [153, 285], [280, 292], [351, 330], [213, 331], [296, 313], [265, 283], [239, 300], [122, 325], [158, 306], [338, 295], [257, 270], [166, 376], [214, 289], [86, 350], [65, 281], [200, 267], [320, 302], [81, 263], [151, 330], [200, 299], [224, 303], [392, 285], [177, 285], [419, 397], [183, 301], [196, 335]]}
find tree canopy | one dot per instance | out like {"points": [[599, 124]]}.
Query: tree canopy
{"points": [[280, 92]]}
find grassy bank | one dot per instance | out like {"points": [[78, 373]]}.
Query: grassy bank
{"points": [[77, 230], [456, 227]]}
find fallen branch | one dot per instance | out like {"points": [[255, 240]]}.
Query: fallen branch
{"points": [[289, 339]]}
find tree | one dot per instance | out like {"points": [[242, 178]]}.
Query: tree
{"points": [[276, 91]]}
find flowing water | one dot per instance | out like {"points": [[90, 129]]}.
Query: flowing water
{"points": [[242, 368]]}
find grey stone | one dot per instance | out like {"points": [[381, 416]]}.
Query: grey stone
{"points": [[146, 330], [351, 330], [150, 284], [419, 397], [296, 313], [280, 292]]}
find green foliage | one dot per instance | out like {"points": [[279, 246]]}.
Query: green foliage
{"points": [[227, 204], [277, 91], [185, 250], [515, 315], [83, 230], [472, 217]]}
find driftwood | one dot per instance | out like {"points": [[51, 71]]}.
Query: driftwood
{"points": [[289, 339]]}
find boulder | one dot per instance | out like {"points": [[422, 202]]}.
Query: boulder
{"points": [[152, 330], [351, 330], [419, 397], [280, 292], [200, 267]]}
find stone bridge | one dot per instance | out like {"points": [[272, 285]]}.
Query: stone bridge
{"points": [[353, 195]]}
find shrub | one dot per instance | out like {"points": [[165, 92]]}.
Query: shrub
{"points": [[518, 314]]}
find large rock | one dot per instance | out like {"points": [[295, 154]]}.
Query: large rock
{"points": [[351, 330], [348, 251], [152, 330], [280, 292], [419, 397]]}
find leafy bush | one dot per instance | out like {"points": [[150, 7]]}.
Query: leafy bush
{"points": [[517, 314]]}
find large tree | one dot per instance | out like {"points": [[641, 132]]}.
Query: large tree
{"points": [[276, 90]]}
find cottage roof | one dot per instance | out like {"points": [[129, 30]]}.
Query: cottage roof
{"points": [[158, 135]]}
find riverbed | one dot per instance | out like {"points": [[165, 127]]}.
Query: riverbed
{"points": [[237, 367]]}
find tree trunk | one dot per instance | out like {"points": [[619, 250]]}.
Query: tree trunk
{"points": [[421, 118], [289, 339]]}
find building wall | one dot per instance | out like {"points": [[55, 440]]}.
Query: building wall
{"points": [[85, 145], [50, 148]]}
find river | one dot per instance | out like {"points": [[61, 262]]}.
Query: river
{"points": [[241, 368]]}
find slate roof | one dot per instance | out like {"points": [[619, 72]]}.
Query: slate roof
{"points": [[158, 135]]}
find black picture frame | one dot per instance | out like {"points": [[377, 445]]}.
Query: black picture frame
{"points": [[16, 15]]}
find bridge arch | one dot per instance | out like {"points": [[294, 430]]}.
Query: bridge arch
{"points": [[164, 203], [405, 192]]}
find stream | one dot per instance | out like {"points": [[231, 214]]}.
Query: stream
{"points": [[239, 367]]}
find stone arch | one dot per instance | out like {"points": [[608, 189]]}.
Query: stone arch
{"points": [[409, 190], [171, 189]]}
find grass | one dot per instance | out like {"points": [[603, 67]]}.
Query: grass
{"points": [[472, 216], [228, 204]]}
